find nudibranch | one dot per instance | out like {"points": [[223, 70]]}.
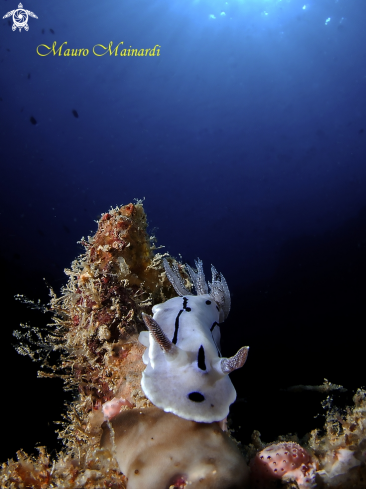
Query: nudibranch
{"points": [[185, 373]]}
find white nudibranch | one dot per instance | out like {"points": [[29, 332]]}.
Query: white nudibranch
{"points": [[185, 373]]}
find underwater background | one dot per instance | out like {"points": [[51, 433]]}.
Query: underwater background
{"points": [[246, 137]]}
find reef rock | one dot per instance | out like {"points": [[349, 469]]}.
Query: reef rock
{"points": [[155, 449]]}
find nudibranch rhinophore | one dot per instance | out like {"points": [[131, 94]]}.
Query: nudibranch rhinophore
{"points": [[185, 373]]}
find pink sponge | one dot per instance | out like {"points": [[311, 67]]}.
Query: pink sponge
{"points": [[286, 461]]}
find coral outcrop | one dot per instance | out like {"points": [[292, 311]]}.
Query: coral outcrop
{"points": [[94, 335], [97, 319]]}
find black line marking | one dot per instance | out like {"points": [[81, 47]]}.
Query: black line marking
{"points": [[185, 302], [201, 358], [175, 337], [212, 327], [185, 308]]}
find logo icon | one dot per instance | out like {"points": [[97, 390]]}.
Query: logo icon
{"points": [[20, 17]]}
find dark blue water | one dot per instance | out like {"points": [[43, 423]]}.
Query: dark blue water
{"points": [[247, 138]]}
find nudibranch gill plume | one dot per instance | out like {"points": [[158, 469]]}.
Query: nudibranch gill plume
{"points": [[185, 373]]}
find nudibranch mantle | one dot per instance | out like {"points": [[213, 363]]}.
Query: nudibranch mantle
{"points": [[185, 373]]}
